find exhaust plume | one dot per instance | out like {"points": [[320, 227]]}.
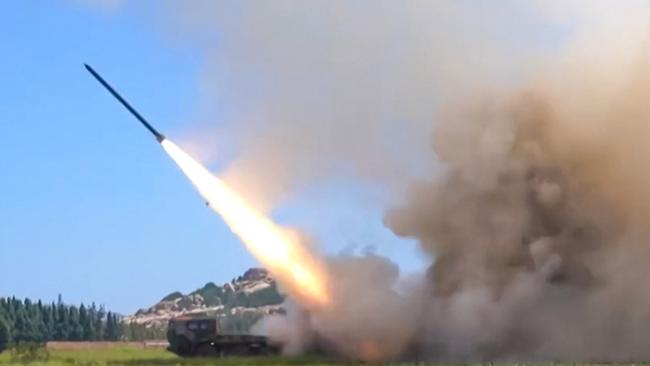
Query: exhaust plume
{"points": [[278, 249]]}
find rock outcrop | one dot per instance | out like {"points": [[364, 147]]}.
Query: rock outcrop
{"points": [[239, 303]]}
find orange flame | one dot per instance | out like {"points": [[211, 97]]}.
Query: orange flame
{"points": [[277, 248], [369, 351]]}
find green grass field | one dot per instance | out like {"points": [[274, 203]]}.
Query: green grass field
{"points": [[129, 356]]}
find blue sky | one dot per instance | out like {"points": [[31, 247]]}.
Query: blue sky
{"points": [[90, 207]]}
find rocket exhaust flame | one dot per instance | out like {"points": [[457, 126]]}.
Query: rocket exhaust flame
{"points": [[278, 249]]}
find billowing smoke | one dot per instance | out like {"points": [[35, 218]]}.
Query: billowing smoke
{"points": [[538, 227], [536, 221], [537, 119]]}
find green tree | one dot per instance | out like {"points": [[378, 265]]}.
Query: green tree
{"points": [[28, 321], [100, 326], [112, 327], [87, 323], [74, 326], [5, 335], [61, 330]]}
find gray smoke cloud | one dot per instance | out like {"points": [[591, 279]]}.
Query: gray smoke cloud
{"points": [[536, 221], [514, 139], [310, 91]]}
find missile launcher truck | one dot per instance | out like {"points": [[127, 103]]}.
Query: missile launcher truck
{"points": [[192, 336]]}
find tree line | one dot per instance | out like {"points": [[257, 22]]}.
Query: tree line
{"points": [[24, 321]]}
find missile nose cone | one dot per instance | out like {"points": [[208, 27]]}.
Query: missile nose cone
{"points": [[91, 70]]}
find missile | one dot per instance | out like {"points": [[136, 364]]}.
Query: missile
{"points": [[159, 136]]}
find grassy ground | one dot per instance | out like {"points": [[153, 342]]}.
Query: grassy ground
{"points": [[131, 356], [135, 356]]}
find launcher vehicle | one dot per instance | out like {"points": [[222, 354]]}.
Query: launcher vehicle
{"points": [[191, 336]]}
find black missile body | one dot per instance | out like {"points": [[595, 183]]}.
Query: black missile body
{"points": [[159, 136]]}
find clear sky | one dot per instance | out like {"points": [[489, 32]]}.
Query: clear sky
{"points": [[90, 206]]}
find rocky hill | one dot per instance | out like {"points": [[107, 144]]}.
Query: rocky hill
{"points": [[238, 303]]}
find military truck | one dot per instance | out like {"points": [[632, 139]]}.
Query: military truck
{"points": [[202, 336]]}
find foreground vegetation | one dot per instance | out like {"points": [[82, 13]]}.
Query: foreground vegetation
{"points": [[132, 356]]}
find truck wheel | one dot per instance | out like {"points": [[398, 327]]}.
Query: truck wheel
{"points": [[239, 350], [206, 350]]}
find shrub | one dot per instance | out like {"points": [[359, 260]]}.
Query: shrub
{"points": [[29, 352]]}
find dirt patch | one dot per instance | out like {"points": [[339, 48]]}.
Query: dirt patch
{"points": [[65, 346]]}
